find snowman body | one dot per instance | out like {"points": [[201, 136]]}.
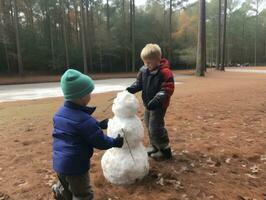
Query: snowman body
{"points": [[130, 163]]}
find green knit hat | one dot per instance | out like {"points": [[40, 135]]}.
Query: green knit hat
{"points": [[75, 85]]}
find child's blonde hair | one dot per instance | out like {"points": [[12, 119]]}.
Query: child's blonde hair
{"points": [[151, 51]]}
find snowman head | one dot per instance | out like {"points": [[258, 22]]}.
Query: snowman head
{"points": [[125, 105]]}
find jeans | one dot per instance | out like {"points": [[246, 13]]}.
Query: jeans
{"points": [[154, 121], [74, 187]]}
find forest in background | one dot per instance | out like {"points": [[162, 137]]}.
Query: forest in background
{"points": [[47, 36]]}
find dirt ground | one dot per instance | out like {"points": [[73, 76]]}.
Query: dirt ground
{"points": [[217, 128]]}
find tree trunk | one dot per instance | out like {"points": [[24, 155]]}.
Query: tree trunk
{"points": [[69, 29], [132, 33], [124, 35], [218, 55], [47, 20], [52, 45], [101, 57], [30, 13], [92, 29], [87, 33], [51, 35], [108, 16], [242, 41], [82, 29], [16, 22], [164, 28], [265, 42], [76, 23], [170, 32], [201, 49], [228, 45], [64, 31], [212, 54], [108, 35], [3, 30], [11, 13], [7, 60], [224, 37], [256, 32]]}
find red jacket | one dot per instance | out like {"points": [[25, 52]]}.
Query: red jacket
{"points": [[158, 84]]}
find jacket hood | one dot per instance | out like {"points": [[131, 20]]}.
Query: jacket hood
{"points": [[164, 63]]}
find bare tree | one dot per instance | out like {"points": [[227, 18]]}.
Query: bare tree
{"points": [[170, 31], [132, 33], [29, 13], [91, 22], [201, 48], [82, 29], [4, 18], [77, 25], [164, 42], [265, 41], [87, 33], [109, 37], [224, 36], [16, 23], [257, 2], [51, 33], [108, 16], [125, 35], [256, 32], [218, 52], [62, 6]]}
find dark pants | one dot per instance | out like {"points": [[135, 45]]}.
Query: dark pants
{"points": [[75, 187], [154, 121]]}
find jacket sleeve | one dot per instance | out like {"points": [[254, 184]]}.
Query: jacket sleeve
{"points": [[137, 85], [94, 135], [167, 86]]}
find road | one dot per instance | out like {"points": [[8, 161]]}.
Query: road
{"points": [[44, 90], [248, 70]]}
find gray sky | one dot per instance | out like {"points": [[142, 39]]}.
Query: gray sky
{"points": [[142, 2]]}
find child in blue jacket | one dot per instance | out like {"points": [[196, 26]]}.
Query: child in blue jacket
{"points": [[75, 135]]}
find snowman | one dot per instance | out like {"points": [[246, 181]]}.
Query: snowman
{"points": [[130, 163]]}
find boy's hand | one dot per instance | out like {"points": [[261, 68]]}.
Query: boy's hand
{"points": [[153, 104], [103, 124], [118, 141]]}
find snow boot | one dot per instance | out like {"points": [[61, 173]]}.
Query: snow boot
{"points": [[162, 154], [152, 149], [57, 193], [167, 153]]}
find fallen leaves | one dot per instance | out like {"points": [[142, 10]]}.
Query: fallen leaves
{"points": [[255, 169], [164, 181], [240, 197]]}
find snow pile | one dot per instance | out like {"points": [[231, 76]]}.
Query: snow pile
{"points": [[130, 163]]}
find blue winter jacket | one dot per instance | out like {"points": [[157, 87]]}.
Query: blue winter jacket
{"points": [[75, 135]]}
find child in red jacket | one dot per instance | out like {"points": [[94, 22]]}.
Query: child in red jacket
{"points": [[156, 82]]}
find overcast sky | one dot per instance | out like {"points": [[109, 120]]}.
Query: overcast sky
{"points": [[142, 2]]}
